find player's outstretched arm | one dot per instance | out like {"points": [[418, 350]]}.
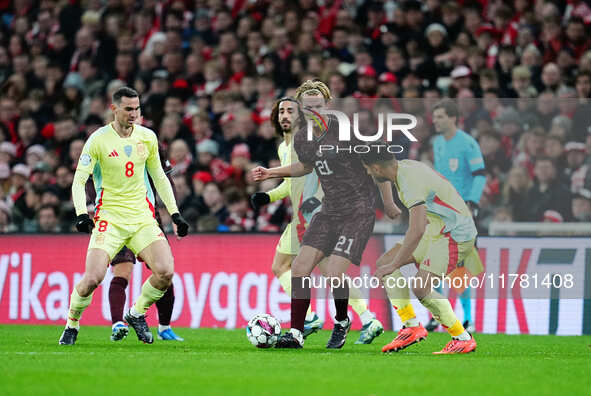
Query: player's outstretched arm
{"points": [[296, 169], [416, 229]]}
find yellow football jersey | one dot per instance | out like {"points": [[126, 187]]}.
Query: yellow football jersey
{"points": [[419, 184], [120, 168], [298, 188]]}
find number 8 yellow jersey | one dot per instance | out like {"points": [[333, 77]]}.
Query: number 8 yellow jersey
{"points": [[120, 168]]}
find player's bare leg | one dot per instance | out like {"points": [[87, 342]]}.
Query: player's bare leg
{"points": [[97, 261], [302, 267], [412, 331], [440, 308], [121, 275], [336, 267], [159, 258]]}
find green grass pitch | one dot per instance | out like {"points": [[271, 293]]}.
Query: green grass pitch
{"points": [[216, 361]]}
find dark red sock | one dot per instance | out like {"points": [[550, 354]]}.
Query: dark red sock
{"points": [[117, 298], [341, 302], [165, 305], [300, 300]]}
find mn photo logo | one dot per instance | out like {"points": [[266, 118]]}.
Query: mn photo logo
{"points": [[388, 124]]}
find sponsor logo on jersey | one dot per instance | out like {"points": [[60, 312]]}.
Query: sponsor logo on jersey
{"points": [[114, 153]]}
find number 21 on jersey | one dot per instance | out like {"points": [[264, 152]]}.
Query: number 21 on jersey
{"points": [[322, 168]]}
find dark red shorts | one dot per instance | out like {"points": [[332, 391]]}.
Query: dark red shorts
{"points": [[125, 255], [344, 236]]}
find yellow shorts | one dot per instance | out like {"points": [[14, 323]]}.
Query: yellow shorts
{"points": [[440, 253], [111, 237], [289, 242]]}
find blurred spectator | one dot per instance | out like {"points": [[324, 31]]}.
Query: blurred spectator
{"points": [[576, 169], [214, 201], [581, 205], [25, 210], [7, 152], [516, 191], [240, 215], [187, 202], [20, 176], [207, 151], [495, 158], [35, 154], [548, 192], [6, 224], [48, 219], [5, 183], [554, 149], [179, 156]]}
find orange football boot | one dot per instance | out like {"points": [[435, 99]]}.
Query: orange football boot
{"points": [[406, 337], [458, 346]]}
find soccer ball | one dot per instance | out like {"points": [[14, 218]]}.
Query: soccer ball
{"points": [[263, 331]]}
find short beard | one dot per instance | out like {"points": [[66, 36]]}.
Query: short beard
{"points": [[381, 179]]}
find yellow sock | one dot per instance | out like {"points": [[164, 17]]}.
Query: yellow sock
{"points": [[77, 305], [441, 310], [148, 297], [285, 281], [400, 298], [356, 301]]}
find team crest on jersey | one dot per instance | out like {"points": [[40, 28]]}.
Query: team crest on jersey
{"points": [[85, 159], [141, 149], [127, 150], [319, 153], [453, 164]]}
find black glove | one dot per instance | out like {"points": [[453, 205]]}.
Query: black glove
{"points": [[259, 199], [182, 227], [473, 206], [84, 223], [310, 204]]}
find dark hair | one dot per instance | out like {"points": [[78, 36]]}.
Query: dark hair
{"points": [[378, 154], [55, 209], [234, 195], [543, 159], [275, 113], [576, 19], [449, 106], [583, 73], [493, 91], [93, 119], [124, 92]]}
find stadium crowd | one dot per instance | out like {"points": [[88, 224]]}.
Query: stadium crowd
{"points": [[208, 72]]}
